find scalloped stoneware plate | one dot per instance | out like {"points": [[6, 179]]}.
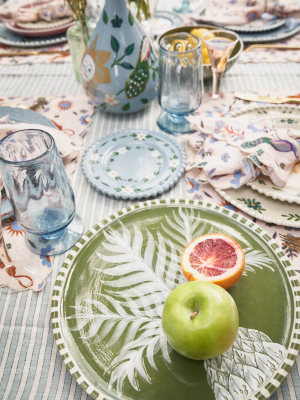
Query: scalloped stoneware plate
{"points": [[20, 115], [109, 295], [258, 25], [13, 39], [165, 20], [134, 164], [263, 202], [40, 30], [288, 29]]}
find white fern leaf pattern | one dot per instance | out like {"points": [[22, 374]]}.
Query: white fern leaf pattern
{"points": [[140, 271]]}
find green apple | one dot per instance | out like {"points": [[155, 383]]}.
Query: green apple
{"points": [[200, 320]]}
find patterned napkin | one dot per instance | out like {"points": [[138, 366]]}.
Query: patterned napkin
{"points": [[47, 11], [72, 117], [229, 148], [240, 12], [219, 109]]}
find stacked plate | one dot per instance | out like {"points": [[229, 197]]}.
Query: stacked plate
{"points": [[261, 198], [35, 34], [265, 29]]}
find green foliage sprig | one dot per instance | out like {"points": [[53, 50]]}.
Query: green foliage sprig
{"points": [[143, 9]]}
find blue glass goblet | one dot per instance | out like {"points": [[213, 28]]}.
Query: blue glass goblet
{"points": [[184, 7], [180, 81], [40, 192]]}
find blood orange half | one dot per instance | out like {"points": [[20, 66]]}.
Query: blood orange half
{"points": [[215, 258]]}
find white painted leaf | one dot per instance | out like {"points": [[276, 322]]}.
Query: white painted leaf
{"points": [[254, 377], [238, 388], [221, 393]]}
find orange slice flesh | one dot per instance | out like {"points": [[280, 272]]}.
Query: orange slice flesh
{"points": [[214, 258]]}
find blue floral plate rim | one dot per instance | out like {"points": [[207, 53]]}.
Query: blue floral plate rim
{"points": [[158, 189]]}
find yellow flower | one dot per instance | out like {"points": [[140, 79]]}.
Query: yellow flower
{"points": [[93, 70], [111, 99]]}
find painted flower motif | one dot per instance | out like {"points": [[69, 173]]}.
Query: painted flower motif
{"points": [[225, 157], [197, 197], [94, 157], [173, 163], [92, 70], [260, 152], [282, 165], [46, 260], [113, 174], [253, 128], [111, 99], [218, 126], [83, 111], [83, 120], [193, 185], [127, 189], [14, 229], [237, 178], [64, 105], [116, 22], [150, 176], [44, 256], [122, 150], [212, 140], [256, 205], [155, 153], [141, 136]]}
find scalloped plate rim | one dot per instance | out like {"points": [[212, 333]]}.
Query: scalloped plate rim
{"points": [[154, 192], [290, 199], [57, 293]]}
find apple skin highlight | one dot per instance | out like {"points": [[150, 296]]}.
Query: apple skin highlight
{"points": [[200, 320]]}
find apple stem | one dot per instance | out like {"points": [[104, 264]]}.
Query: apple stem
{"points": [[194, 315]]}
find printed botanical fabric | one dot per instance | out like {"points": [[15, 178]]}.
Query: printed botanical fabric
{"points": [[228, 147], [220, 109], [72, 116], [240, 12]]}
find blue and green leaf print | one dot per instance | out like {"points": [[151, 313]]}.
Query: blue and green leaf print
{"points": [[256, 205], [127, 52]]}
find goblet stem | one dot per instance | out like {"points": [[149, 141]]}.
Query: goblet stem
{"points": [[217, 76]]}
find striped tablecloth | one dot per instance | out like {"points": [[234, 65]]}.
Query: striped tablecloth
{"points": [[30, 366]]}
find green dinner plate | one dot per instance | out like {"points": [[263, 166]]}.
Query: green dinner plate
{"points": [[110, 292]]}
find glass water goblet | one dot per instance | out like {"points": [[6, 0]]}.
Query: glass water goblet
{"points": [[220, 44], [180, 81], [40, 192], [184, 7]]}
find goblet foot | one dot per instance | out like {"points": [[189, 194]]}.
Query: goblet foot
{"points": [[174, 124], [183, 8], [50, 245]]}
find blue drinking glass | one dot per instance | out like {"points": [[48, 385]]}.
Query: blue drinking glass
{"points": [[40, 192], [184, 7], [180, 81]]}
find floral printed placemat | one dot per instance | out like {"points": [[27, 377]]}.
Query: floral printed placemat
{"points": [[72, 116], [257, 55], [219, 109]]}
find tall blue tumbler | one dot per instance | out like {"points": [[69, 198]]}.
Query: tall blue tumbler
{"points": [[40, 192]]}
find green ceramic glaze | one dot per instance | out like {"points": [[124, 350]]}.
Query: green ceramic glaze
{"points": [[109, 295]]}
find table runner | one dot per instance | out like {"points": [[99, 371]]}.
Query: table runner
{"points": [[30, 366]]}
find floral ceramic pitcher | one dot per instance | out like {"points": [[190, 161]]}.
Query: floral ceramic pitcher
{"points": [[119, 67]]}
